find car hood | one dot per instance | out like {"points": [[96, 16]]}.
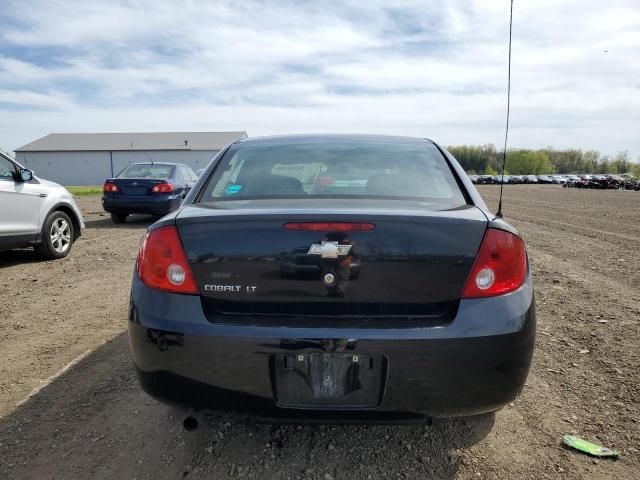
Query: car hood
{"points": [[48, 183]]}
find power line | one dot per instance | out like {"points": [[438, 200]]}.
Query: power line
{"points": [[506, 132]]}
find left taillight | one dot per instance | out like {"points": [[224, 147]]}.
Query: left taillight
{"points": [[163, 264], [110, 187], [500, 266]]}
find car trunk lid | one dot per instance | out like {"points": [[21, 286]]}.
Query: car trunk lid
{"points": [[413, 262], [135, 186]]}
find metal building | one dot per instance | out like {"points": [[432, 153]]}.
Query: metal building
{"points": [[90, 158]]}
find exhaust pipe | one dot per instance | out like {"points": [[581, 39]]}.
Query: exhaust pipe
{"points": [[190, 423]]}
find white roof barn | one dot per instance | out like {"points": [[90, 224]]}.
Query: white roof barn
{"points": [[90, 158]]}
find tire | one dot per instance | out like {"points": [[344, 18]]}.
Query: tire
{"points": [[119, 217], [58, 234]]}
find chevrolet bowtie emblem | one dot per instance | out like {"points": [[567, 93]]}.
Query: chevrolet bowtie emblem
{"points": [[329, 249]]}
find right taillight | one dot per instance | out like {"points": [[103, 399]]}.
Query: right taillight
{"points": [[163, 187], [162, 263], [500, 266]]}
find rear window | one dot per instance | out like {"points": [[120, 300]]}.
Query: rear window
{"points": [[394, 170], [156, 172]]}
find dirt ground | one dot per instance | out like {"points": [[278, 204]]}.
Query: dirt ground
{"points": [[92, 420]]}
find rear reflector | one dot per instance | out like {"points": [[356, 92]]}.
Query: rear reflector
{"points": [[110, 187], [500, 266], [162, 263], [162, 188], [330, 226]]}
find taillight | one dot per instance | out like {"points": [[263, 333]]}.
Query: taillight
{"points": [[330, 226], [163, 187], [162, 263], [500, 266], [110, 187]]}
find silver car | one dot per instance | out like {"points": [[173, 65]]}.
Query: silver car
{"points": [[36, 212]]}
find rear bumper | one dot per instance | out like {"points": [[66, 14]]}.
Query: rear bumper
{"points": [[144, 205], [478, 363]]}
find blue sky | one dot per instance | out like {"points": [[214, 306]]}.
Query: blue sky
{"points": [[435, 69]]}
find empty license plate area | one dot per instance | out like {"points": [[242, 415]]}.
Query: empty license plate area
{"points": [[329, 380]]}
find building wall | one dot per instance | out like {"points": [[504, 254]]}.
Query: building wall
{"points": [[68, 168], [92, 168]]}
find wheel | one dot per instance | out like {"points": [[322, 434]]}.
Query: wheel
{"points": [[57, 237], [119, 217]]}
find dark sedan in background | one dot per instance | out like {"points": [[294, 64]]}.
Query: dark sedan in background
{"points": [[438, 321], [147, 188]]}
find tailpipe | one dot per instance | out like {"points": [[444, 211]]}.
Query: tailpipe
{"points": [[190, 423]]}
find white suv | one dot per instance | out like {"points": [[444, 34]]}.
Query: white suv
{"points": [[36, 212]]}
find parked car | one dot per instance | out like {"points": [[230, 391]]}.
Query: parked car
{"points": [[485, 180], [530, 179], [473, 178], [440, 320], [559, 179], [147, 188], [545, 179], [36, 213]]}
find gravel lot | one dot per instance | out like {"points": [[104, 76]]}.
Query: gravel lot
{"points": [[92, 421]]}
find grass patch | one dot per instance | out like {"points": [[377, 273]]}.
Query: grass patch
{"points": [[85, 191]]}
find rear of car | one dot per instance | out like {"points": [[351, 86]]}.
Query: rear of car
{"points": [[333, 275], [559, 179], [545, 179], [147, 188]]}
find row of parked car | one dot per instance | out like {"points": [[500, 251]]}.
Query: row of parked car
{"points": [[567, 180], [609, 182]]}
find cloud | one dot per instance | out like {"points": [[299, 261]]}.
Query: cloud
{"points": [[25, 98], [434, 69]]}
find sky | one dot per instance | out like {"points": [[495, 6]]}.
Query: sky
{"points": [[435, 69]]}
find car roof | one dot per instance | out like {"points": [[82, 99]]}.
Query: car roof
{"points": [[158, 163], [320, 138]]}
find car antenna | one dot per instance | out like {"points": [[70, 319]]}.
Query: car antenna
{"points": [[506, 132]]}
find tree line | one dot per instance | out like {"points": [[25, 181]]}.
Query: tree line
{"points": [[487, 160]]}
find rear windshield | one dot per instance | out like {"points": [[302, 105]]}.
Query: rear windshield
{"points": [[157, 172], [395, 170]]}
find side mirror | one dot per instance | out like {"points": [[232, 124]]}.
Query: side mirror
{"points": [[26, 175]]}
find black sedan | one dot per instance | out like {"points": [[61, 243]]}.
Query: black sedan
{"points": [[226, 315], [147, 188]]}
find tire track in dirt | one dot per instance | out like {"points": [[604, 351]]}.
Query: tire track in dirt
{"points": [[611, 260], [54, 311], [586, 304]]}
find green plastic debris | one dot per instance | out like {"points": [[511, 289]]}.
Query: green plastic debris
{"points": [[588, 447]]}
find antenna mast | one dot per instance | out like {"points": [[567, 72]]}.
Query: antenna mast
{"points": [[506, 132]]}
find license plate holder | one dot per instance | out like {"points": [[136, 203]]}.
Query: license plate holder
{"points": [[328, 380]]}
